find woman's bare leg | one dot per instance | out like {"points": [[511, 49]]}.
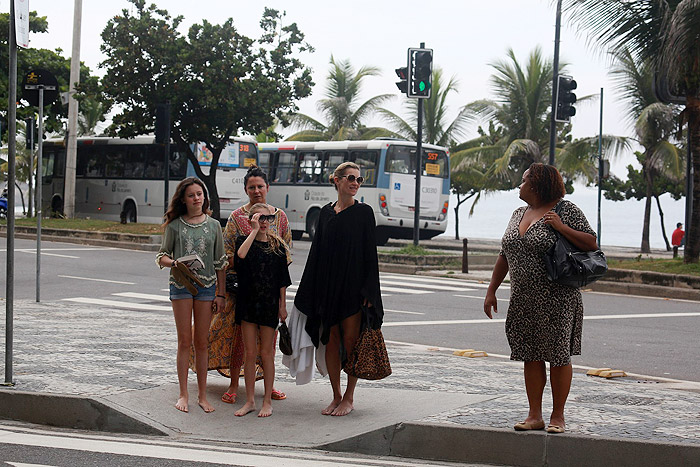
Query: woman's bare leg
{"points": [[333, 366], [535, 380], [267, 354], [351, 331], [182, 311], [560, 377], [202, 320], [250, 337]]}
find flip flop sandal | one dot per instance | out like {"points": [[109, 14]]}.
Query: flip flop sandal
{"points": [[229, 397], [278, 395]]}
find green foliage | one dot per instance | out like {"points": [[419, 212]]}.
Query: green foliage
{"points": [[93, 225], [32, 59], [413, 250], [219, 82], [343, 113]]}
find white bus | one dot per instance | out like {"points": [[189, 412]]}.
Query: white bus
{"points": [[124, 178], [299, 171]]}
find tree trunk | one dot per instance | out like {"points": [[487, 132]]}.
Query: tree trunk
{"points": [[663, 228], [647, 209], [692, 243]]}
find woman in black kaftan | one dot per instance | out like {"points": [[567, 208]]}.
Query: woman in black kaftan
{"points": [[341, 275]]}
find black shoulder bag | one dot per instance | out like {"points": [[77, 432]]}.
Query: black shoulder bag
{"points": [[567, 265]]}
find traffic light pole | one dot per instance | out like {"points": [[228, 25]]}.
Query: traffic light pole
{"points": [[419, 167], [555, 78]]}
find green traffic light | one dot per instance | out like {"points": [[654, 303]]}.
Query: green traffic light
{"points": [[421, 86]]}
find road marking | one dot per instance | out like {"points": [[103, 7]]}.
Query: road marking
{"points": [[45, 253], [405, 312], [443, 280], [480, 298], [408, 291], [599, 317], [640, 296], [424, 286], [98, 280], [145, 296], [118, 304], [123, 446]]}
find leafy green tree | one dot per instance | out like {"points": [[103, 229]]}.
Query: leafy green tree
{"points": [[219, 82], [344, 115], [91, 113], [667, 34], [32, 59]]}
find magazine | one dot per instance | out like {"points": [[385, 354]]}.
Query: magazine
{"points": [[193, 261]]}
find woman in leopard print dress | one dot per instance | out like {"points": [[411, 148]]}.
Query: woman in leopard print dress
{"points": [[544, 318]]}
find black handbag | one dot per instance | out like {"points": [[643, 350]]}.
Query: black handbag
{"points": [[285, 339], [567, 265]]}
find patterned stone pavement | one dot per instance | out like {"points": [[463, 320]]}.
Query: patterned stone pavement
{"points": [[74, 349]]}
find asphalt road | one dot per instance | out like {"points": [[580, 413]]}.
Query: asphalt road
{"points": [[643, 335]]}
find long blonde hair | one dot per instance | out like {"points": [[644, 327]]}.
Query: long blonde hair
{"points": [[277, 245]]}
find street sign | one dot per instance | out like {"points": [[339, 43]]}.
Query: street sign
{"points": [[22, 23], [36, 79]]}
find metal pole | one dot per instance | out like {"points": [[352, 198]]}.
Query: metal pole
{"points": [[555, 76], [419, 168], [600, 164], [11, 153], [38, 192], [167, 159], [29, 133], [69, 190]]}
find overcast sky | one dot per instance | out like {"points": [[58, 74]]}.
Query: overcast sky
{"points": [[465, 35]]}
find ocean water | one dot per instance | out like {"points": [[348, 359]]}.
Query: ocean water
{"points": [[621, 221]]}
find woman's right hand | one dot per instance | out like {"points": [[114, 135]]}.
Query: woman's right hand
{"points": [[490, 302], [255, 221]]}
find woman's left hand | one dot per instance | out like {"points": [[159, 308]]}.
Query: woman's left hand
{"points": [[219, 304], [283, 311], [552, 219]]}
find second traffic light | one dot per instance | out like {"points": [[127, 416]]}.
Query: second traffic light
{"points": [[402, 73], [420, 73], [565, 99]]}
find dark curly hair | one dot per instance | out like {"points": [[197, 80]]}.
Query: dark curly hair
{"points": [[255, 171], [178, 207], [546, 182]]}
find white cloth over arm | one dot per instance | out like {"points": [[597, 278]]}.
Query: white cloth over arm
{"points": [[301, 362]]}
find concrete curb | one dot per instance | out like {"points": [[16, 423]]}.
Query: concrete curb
{"points": [[506, 447], [69, 411]]}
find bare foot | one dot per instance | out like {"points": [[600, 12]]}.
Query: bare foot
{"points": [[266, 410], [329, 410], [557, 421], [344, 408], [182, 404], [246, 409], [206, 406]]}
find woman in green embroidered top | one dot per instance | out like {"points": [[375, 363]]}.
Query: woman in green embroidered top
{"points": [[189, 230]]}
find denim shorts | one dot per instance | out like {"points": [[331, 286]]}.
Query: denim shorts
{"points": [[205, 294]]}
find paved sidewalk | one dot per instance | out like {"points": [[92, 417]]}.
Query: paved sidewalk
{"points": [[127, 358]]}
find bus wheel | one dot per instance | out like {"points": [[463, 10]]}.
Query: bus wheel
{"points": [[311, 223], [297, 234], [129, 213], [57, 207]]}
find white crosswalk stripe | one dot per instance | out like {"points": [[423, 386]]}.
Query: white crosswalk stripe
{"points": [[425, 286], [145, 296], [118, 304]]}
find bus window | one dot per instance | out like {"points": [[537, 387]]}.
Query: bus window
{"points": [[264, 162], [331, 160], [178, 165], [47, 169], [154, 163], [309, 170], [402, 159], [286, 162], [135, 162], [115, 158], [94, 162], [367, 160]]}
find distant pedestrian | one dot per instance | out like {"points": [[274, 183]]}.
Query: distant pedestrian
{"points": [[261, 301], [225, 338], [544, 320], [341, 281], [188, 230], [677, 238]]}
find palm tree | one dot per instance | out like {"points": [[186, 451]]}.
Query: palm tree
{"points": [[654, 124], [344, 116], [92, 112], [667, 34]]}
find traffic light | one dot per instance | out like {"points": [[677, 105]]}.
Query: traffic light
{"points": [[402, 73], [420, 73], [30, 133], [565, 99], [162, 123]]}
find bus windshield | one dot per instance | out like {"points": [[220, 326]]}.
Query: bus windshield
{"points": [[402, 159]]}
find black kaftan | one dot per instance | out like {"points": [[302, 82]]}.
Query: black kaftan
{"points": [[261, 275], [342, 270]]}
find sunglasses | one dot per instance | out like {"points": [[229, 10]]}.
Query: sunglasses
{"points": [[265, 218], [351, 178]]}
